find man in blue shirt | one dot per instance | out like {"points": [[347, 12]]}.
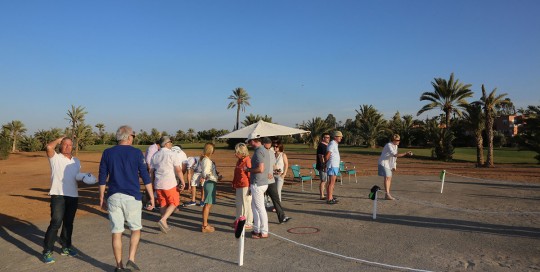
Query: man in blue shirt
{"points": [[123, 165]]}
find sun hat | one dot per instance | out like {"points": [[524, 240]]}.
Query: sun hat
{"points": [[338, 133]]}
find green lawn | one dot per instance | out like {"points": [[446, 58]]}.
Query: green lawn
{"points": [[468, 154]]}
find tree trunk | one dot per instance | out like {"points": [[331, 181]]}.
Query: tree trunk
{"points": [[237, 117], [489, 130], [447, 119], [14, 146], [479, 149]]}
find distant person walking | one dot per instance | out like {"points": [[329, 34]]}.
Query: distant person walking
{"points": [[166, 166], [64, 197], [388, 163], [281, 166], [123, 164], [321, 163], [240, 184], [272, 191], [333, 160]]}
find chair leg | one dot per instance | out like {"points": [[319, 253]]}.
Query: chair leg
{"points": [[355, 178], [302, 181], [311, 183]]}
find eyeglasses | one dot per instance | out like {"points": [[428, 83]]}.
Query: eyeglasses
{"points": [[276, 145]]}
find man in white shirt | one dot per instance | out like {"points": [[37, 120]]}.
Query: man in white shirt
{"points": [[165, 166], [332, 166], [64, 197]]}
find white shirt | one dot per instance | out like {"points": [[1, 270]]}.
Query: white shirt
{"points": [[388, 156], [181, 156], [163, 162], [193, 163], [152, 149], [63, 173], [209, 169], [334, 159]]}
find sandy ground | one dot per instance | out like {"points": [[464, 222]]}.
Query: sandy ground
{"points": [[486, 220]]}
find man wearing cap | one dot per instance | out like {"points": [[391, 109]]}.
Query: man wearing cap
{"points": [[165, 166], [258, 181], [123, 164], [332, 166], [272, 186]]}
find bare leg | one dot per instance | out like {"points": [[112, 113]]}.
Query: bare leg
{"points": [[387, 184], [322, 188], [134, 243], [330, 187], [165, 213], [117, 249], [206, 213], [193, 193]]}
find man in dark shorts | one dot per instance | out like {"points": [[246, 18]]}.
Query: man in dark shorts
{"points": [[321, 162]]}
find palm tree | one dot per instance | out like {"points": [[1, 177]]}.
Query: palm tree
{"points": [[370, 125], [190, 134], [76, 118], [101, 134], [489, 103], [252, 119], [474, 120], [240, 100], [316, 127], [449, 96], [15, 128]]}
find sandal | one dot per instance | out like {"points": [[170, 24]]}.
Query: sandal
{"points": [[260, 236], [207, 229]]}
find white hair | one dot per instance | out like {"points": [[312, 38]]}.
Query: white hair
{"points": [[123, 133]]}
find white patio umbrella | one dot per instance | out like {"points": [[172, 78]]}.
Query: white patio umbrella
{"points": [[263, 129]]}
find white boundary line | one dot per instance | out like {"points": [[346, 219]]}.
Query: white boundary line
{"points": [[350, 258]]}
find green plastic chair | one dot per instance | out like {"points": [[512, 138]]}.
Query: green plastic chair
{"points": [[345, 170], [297, 176]]}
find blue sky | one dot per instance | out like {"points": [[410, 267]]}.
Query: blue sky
{"points": [[172, 64]]}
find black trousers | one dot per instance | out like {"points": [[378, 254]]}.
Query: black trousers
{"points": [[273, 194], [63, 209]]}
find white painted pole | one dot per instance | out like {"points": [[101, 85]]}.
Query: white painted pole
{"points": [[375, 206], [443, 174], [241, 248]]}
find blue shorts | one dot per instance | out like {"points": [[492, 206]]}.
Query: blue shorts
{"points": [[333, 171], [384, 172]]}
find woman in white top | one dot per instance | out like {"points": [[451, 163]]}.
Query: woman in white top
{"points": [[281, 166], [387, 163], [209, 178]]}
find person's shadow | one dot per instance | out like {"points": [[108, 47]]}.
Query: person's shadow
{"points": [[31, 232]]}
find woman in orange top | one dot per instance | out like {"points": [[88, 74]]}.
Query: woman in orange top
{"points": [[241, 184]]}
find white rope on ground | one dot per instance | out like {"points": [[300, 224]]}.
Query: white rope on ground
{"points": [[441, 206], [490, 180], [350, 258]]}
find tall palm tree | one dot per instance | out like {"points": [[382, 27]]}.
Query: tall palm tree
{"points": [[190, 134], [475, 121], [76, 118], [448, 95], [101, 134], [15, 129], [370, 125], [240, 100], [316, 127], [489, 103]]}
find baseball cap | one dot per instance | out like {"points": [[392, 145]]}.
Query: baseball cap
{"points": [[266, 140], [252, 136]]}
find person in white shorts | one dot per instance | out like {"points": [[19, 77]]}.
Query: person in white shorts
{"points": [[194, 177]]}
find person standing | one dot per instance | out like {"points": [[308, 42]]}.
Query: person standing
{"points": [[258, 184], [241, 184], [166, 165], [64, 197], [321, 163], [332, 159], [281, 166], [272, 186], [123, 164], [209, 179], [388, 163]]}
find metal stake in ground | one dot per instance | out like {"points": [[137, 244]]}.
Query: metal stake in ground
{"points": [[443, 174], [239, 233], [373, 196]]}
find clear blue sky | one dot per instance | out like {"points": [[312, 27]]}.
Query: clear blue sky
{"points": [[172, 64]]}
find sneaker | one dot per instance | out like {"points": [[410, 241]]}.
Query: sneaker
{"points": [[48, 258], [333, 201], [201, 203], [68, 251], [190, 203], [131, 266], [285, 220]]}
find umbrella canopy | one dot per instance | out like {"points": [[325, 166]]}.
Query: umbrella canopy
{"points": [[263, 129]]}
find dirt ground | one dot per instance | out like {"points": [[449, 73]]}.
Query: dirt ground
{"points": [[25, 177]]}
